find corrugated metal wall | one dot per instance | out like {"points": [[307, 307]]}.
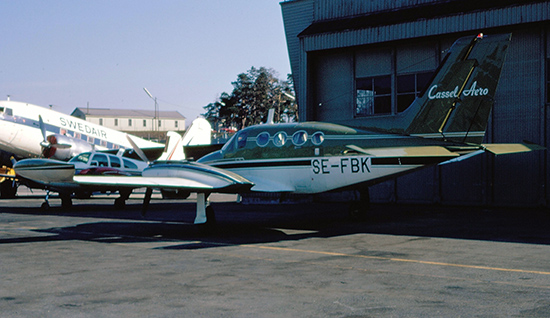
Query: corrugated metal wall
{"points": [[298, 15], [482, 20], [335, 9]]}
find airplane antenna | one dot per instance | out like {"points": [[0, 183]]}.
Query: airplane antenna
{"points": [[270, 116]]}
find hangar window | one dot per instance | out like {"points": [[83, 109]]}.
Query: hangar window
{"points": [[279, 139], [373, 96], [262, 139], [409, 87]]}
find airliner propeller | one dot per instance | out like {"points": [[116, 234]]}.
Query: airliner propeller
{"points": [[59, 146], [44, 143]]}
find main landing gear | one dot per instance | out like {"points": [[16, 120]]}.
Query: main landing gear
{"points": [[66, 201], [359, 209], [204, 217]]}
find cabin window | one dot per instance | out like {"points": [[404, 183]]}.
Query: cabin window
{"points": [[101, 121], [279, 139], [115, 161], [116, 121], [130, 122], [176, 123], [299, 138], [101, 160], [129, 165], [318, 138], [262, 139], [145, 123]]}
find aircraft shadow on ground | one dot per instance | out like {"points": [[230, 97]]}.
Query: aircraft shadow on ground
{"points": [[171, 222]]}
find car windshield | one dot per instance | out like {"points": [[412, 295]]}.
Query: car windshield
{"points": [[83, 157]]}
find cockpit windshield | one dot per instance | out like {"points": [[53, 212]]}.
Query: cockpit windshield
{"points": [[83, 157], [229, 145]]}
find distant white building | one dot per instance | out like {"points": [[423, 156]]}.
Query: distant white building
{"points": [[139, 122]]}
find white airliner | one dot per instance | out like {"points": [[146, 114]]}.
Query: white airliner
{"points": [[66, 136], [445, 124]]}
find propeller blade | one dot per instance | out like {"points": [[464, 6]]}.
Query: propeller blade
{"points": [[61, 146], [139, 152], [44, 143]]}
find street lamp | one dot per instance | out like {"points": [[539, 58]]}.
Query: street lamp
{"points": [[155, 120]]}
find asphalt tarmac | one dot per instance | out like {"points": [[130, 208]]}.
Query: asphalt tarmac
{"points": [[302, 260]]}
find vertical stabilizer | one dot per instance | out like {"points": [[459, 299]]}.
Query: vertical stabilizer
{"points": [[199, 133], [457, 103]]}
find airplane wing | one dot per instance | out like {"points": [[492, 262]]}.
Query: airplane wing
{"points": [[451, 153], [502, 149], [400, 152], [190, 176], [148, 182]]}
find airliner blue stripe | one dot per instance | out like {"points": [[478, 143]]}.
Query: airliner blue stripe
{"points": [[57, 130]]}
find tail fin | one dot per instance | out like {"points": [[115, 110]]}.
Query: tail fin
{"points": [[199, 133], [173, 150], [457, 103]]}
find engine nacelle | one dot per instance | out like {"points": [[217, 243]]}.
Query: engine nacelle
{"points": [[64, 147]]}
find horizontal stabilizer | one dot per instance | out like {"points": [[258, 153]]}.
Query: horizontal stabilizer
{"points": [[503, 149], [423, 151]]}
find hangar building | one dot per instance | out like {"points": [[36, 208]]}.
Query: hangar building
{"points": [[342, 50]]}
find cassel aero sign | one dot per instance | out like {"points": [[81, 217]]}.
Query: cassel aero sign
{"points": [[472, 91]]}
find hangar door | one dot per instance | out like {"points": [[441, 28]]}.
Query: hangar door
{"points": [[331, 86]]}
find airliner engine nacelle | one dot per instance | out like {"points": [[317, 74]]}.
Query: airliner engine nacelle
{"points": [[63, 147]]}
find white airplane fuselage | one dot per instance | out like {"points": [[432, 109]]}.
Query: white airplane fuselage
{"points": [[314, 157], [21, 133]]}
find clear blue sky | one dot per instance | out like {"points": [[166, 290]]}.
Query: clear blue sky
{"points": [[185, 52]]}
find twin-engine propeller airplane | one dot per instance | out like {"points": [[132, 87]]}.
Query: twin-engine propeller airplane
{"points": [[445, 124], [32, 131]]}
